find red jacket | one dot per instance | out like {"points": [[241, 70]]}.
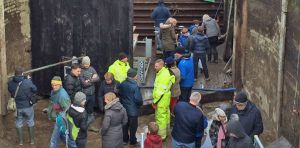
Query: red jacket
{"points": [[153, 141]]}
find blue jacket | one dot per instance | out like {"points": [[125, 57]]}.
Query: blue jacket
{"points": [[186, 68], [199, 43], [26, 91], [130, 97], [250, 119], [160, 13], [183, 40], [188, 121]]}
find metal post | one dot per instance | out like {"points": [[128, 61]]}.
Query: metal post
{"points": [[49, 66], [142, 140], [148, 52]]}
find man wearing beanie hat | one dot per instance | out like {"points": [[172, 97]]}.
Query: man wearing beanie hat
{"points": [[80, 118], [186, 68], [22, 89], [132, 100], [89, 78], [249, 115], [119, 68], [59, 103]]}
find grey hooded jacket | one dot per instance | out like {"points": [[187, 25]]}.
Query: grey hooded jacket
{"points": [[242, 140]]}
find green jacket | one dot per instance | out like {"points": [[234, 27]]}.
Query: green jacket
{"points": [[59, 98]]}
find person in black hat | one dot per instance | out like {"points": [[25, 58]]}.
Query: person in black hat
{"points": [[131, 99], [186, 68], [175, 90], [248, 114]]}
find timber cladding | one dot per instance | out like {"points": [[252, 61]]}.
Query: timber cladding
{"points": [[97, 28]]}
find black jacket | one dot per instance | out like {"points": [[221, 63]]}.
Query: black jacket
{"points": [[72, 84], [250, 119], [26, 90], [80, 120], [130, 97], [105, 88]]}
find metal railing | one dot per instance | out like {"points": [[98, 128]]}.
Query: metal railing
{"points": [[257, 143]]}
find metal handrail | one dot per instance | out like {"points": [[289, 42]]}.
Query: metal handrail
{"points": [[257, 143]]}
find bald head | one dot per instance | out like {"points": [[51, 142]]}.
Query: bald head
{"points": [[195, 98]]}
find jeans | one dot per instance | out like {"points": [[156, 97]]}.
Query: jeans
{"points": [[176, 144], [90, 102], [202, 57], [213, 48], [56, 137], [157, 39], [132, 126], [25, 115], [185, 94]]}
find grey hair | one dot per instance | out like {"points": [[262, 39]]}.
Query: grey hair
{"points": [[234, 117], [195, 97]]}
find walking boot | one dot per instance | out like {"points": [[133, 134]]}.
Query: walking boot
{"points": [[20, 136], [31, 134]]}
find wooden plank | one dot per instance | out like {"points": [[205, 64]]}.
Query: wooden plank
{"points": [[135, 38], [3, 68]]}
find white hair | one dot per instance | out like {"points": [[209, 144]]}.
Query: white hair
{"points": [[205, 17], [195, 97], [219, 112], [234, 117]]}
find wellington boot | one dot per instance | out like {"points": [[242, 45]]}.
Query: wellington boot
{"points": [[31, 134], [20, 136]]}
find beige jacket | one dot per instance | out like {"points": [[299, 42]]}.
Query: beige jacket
{"points": [[175, 90]]}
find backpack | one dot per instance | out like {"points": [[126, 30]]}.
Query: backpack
{"points": [[66, 125]]}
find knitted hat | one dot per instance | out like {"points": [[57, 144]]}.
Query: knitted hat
{"points": [[241, 97], [78, 98], [86, 60], [122, 56], [220, 112], [56, 80], [170, 60], [131, 73], [181, 51], [19, 71]]}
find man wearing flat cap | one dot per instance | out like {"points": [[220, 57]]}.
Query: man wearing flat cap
{"points": [[248, 114], [120, 67], [131, 99]]}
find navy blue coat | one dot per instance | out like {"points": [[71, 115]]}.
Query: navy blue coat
{"points": [[200, 43], [26, 91], [130, 97], [160, 13], [250, 119], [188, 123]]}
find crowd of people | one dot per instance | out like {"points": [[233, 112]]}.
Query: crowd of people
{"points": [[72, 99]]}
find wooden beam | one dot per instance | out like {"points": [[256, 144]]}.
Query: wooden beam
{"points": [[3, 66]]}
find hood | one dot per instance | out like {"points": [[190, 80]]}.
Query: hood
{"points": [[160, 2], [194, 31], [236, 128], [164, 26], [114, 105], [18, 78], [75, 111], [155, 139], [200, 37]]}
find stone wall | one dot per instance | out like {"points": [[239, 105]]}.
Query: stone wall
{"points": [[257, 59], [17, 34]]}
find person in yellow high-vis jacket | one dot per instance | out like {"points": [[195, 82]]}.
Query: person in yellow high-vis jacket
{"points": [[119, 68], [162, 96]]}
